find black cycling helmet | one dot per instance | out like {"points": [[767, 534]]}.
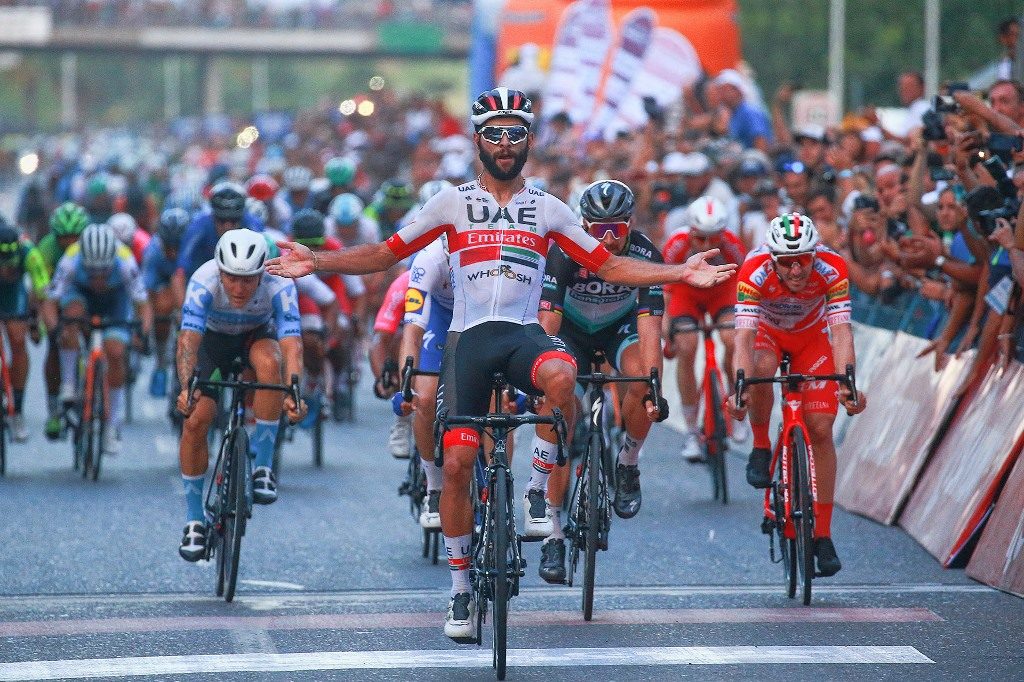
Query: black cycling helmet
{"points": [[607, 201], [308, 224], [9, 240], [227, 201], [501, 102], [173, 223]]}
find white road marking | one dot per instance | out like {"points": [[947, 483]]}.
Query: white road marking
{"points": [[273, 583], [463, 658], [270, 600]]}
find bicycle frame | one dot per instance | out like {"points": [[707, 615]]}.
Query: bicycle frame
{"points": [[792, 420]]}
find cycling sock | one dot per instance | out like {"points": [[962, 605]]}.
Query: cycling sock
{"points": [[458, 562], [555, 512], [194, 497], [161, 354], [53, 404], [690, 417], [435, 474], [543, 462], [19, 399], [630, 451], [263, 438], [68, 365], [822, 520], [116, 407], [761, 437]]}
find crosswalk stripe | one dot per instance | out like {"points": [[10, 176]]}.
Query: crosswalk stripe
{"points": [[465, 658], [351, 621]]}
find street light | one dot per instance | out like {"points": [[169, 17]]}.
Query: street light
{"points": [[365, 108]]}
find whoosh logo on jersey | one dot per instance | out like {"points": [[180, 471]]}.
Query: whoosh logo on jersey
{"points": [[500, 271]]}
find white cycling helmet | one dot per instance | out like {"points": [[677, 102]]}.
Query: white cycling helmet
{"points": [[257, 209], [791, 233], [124, 227], [430, 188], [346, 209], [707, 216], [99, 247], [241, 252], [297, 178]]}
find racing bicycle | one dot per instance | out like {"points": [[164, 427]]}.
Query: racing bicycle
{"points": [[590, 506], [496, 561], [228, 501], [415, 483], [789, 500]]}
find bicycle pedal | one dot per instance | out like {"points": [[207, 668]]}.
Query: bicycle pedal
{"points": [[767, 526]]}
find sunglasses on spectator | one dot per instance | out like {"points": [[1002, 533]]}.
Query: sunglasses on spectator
{"points": [[515, 134], [312, 242], [618, 230], [804, 260]]}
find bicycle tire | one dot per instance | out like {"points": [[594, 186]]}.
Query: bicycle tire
{"points": [[499, 605], [593, 525], [786, 545], [218, 514], [98, 417], [318, 439], [802, 503], [237, 511], [577, 520], [718, 435]]}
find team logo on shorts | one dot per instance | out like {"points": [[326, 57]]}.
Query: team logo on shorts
{"points": [[413, 301]]}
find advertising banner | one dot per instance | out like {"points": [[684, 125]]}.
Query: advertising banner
{"points": [[998, 560], [955, 493], [886, 446]]}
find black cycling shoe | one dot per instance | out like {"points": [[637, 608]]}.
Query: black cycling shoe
{"points": [[757, 468], [264, 486], [627, 491], [828, 560], [552, 561], [193, 541]]}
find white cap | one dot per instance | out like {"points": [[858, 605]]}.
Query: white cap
{"points": [[678, 163], [810, 130], [731, 77]]}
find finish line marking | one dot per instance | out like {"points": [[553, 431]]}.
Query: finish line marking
{"points": [[360, 621], [465, 658]]}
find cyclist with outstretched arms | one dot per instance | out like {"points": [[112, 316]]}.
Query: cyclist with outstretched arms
{"points": [[793, 294], [98, 277], [499, 232], [624, 323], [234, 310]]}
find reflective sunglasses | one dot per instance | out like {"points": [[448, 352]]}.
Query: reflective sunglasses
{"points": [[618, 230], [515, 134], [804, 260], [312, 242]]}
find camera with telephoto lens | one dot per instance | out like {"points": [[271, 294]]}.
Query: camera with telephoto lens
{"points": [[1008, 193], [933, 127]]}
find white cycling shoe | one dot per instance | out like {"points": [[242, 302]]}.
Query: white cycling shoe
{"points": [[460, 623], [742, 436], [537, 523], [692, 451], [400, 439]]}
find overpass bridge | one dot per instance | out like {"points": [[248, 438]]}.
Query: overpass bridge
{"points": [[33, 30]]}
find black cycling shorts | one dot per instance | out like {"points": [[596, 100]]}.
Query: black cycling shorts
{"points": [[471, 358], [611, 341], [217, 353]]}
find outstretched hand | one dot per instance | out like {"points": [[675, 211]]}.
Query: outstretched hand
{"points": [[295, 260], [698, 272]]}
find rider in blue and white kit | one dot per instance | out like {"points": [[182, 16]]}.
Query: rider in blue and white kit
{"points": [[233, 309]]}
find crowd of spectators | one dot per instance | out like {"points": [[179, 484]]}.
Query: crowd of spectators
{"points": [[267, 14], [921, 211]]}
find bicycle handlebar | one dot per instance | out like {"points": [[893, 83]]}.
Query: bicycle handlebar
{"points": [[794, 380], [653, 381], [408, 372], [499, 420], [195, 382]]}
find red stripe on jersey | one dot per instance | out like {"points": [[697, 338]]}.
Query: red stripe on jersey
{"points": [[592, 260], [403, 250], [479, 254]]}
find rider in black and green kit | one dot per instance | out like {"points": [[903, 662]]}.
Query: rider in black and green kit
{"points": [[19, 257], [66, 225]]}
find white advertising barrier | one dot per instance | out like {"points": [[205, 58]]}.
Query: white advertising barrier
{"points": [[870, 343], [998, 560], [955, 493], [887, 445]]}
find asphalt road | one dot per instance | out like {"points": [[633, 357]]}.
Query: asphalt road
{"points": [[333, 586]]}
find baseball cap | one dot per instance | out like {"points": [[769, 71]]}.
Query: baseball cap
{"points": [[810, 131], [678, 163], [730, 77]]}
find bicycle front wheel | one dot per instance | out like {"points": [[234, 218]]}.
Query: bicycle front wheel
{"points": [[97, 420], [318, 439], [716, 459], [499, 603], [593, 524], [237, 511], [803, 514]]}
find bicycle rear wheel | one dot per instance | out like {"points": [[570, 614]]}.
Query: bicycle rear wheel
{"points": [[593, 524], [318, 439], [500, 538], [237, 511], [716, 459], [803, 515]]}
